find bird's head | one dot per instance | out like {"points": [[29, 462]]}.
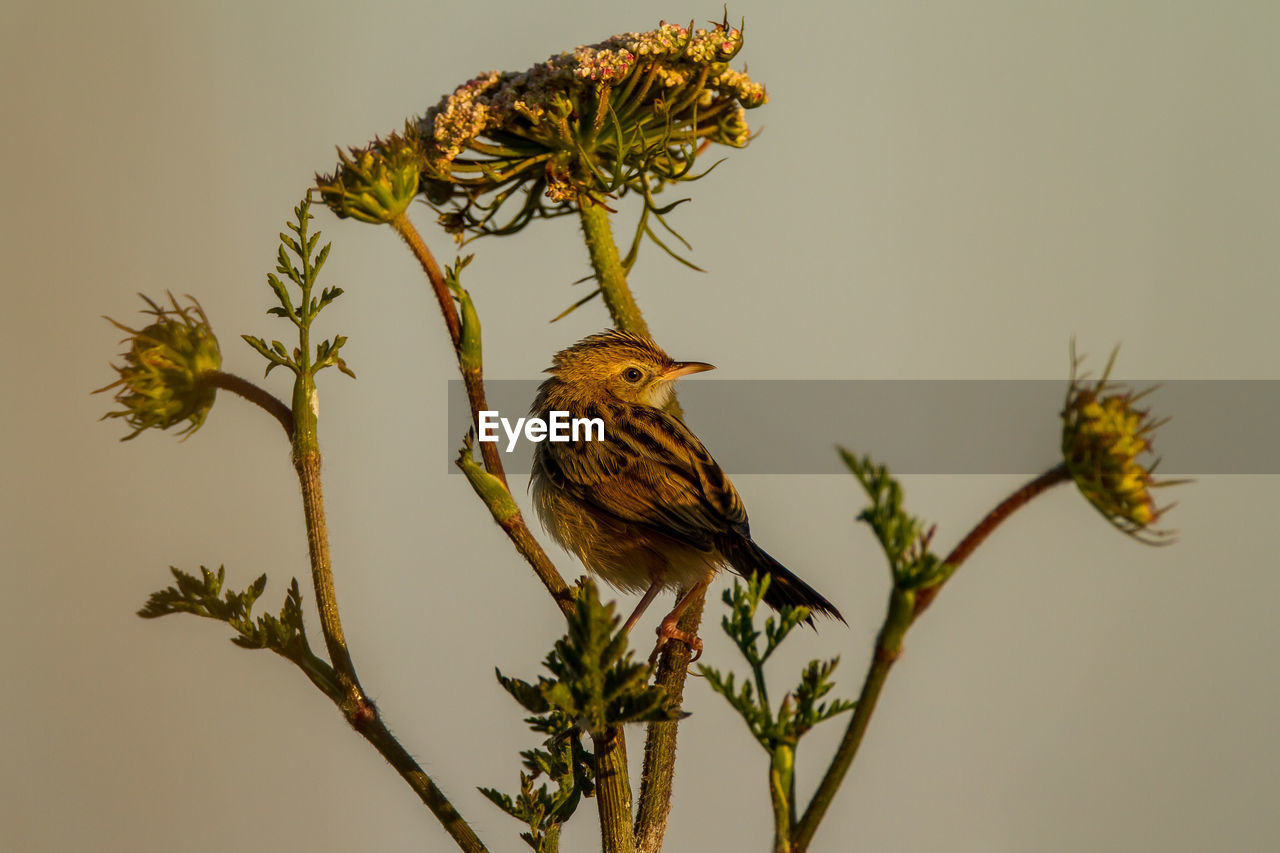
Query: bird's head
{"points": [[622, 365]]}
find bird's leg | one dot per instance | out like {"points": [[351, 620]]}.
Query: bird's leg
{"points": [[650, 594], [667, 629]]}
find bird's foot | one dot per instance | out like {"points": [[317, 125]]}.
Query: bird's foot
{"points": [[668, 631]]}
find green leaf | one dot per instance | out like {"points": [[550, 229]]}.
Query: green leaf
{"points": [[797, 713], [903, 537]]}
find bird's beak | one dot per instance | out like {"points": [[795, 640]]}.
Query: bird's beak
{"points": [[684, 368]]}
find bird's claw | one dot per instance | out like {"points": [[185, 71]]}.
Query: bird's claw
{"points": [[668, 631]]}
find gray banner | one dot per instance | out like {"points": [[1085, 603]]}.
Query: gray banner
{"points": [[928, 426]]}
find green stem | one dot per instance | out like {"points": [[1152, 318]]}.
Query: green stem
{"points": [[608, 268], [782, 793], [613, 792], [905, 606], [359, 710], [495, 494], [673, 667], [887, 650], [306, 461], [654, 806], [762, 691]]}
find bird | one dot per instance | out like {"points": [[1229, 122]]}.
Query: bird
{"points": [[645, 507]]}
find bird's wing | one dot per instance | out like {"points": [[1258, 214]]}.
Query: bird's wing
{"points": [[650, 470]]}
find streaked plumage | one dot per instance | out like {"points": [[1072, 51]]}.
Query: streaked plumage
{"points": [[647, 508]]}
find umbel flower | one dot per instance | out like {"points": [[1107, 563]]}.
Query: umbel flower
{"points": [[375, 183], [1103, 435], [162, 379], [628, 114]]}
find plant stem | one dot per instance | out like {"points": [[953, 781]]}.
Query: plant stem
{"points": [[887, 650], [260, 397], [472, 376], [660, 741], [306, 462], [358, 709], [782, 794], [503, 508], [498, 499], [992, 520], [905, 606], [410, 235], [608, 268], [613, 792], [375, 731], [673, 667]]}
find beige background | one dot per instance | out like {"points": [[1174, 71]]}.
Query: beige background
{"points": [[940, 192]]}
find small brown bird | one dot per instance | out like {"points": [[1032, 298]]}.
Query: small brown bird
{"points": [[646, 508]]}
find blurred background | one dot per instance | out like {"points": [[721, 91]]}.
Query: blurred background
{"points": [[939, 192]]}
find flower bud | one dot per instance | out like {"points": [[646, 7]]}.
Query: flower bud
{"points": [[1103, 435], [163, 380], [376, 183]]}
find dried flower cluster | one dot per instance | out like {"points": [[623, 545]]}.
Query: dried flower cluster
{"points": [[627, 114]]}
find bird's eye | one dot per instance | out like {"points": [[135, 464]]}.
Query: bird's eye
{"points": [[631, 374]]}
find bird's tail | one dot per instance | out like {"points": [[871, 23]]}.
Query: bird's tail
{"points": [[785, 588]]}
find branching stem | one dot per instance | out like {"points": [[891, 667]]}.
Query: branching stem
{"points": [[351, 699], [673, 667], [499, 501], [905, 606], [983, 529]]}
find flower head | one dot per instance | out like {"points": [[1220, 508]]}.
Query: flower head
{"points": [[1103, 435], [375, 183], [162, 380], [628, 114]]}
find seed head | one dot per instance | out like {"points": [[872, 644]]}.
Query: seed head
{"points": [[375, 183], [163, 379], [1104, 434]]}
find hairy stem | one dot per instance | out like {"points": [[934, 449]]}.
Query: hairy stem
{"points": [[255, 394], [992, 520], [503, 508], [673, 667], [306, 462], [905, 606], [613, 792], [410, 235], [359, 710], [472, 376], [608, 268], [888, 649], [660, 741], [498, 499], [375, 731]]}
